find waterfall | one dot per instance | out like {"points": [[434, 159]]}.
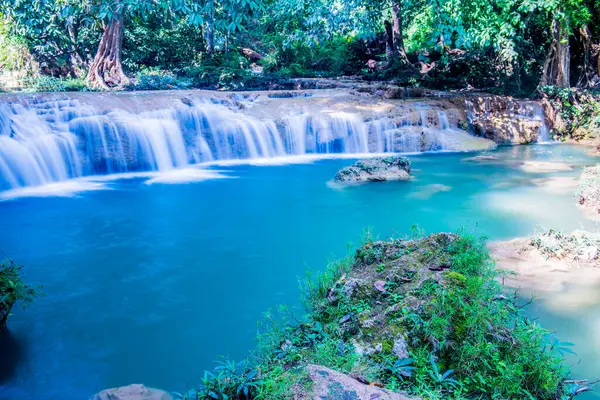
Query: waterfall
{"points": [[45, 141]]}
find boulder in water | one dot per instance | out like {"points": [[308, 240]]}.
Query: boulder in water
{"points": [[132, 392], [375, 170]]}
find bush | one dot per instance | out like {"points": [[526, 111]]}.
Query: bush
{"points": [[12, 289], [76, 85], [44, 83], [158, 81]]}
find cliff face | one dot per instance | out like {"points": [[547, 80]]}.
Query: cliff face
{"points": [[506, 120]]}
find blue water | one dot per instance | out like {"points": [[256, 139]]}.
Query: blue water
{"points": [[151, 283]]}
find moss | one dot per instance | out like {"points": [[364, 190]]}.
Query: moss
{"points": [[455, 278]]}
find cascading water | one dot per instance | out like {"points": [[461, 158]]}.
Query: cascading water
{"points": [[49, 141], [484, 109]]}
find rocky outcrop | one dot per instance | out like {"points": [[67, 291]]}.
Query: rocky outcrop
{"points": [[132, 392], [375, 170], [588, 191], [333, 385], [552, 262], [506, 120]]}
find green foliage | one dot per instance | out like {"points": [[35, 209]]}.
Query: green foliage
{"points": [[46, 83], [499, 45], [150, 80], [12, 289]]}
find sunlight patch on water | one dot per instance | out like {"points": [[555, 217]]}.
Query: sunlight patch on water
{"points": [[536, 207]]}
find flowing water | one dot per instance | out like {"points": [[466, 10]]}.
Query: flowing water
{"points": [[50, 140], [150, 282]]}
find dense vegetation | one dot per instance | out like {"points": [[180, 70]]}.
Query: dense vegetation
{"points": [[12, 289], [424, 316], [507, 45]]}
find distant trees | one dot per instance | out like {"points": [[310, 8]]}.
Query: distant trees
{"points": [[555, 42]]}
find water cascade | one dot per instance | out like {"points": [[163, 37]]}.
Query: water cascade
{"points": [[45, 141], [497, 113]]}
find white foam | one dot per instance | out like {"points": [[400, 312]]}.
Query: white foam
{"points": [[185, 175], [300, 159], [67, 188]]}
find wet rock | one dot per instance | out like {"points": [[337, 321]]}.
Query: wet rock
{"points": [[366, 349], [332, 385], [506, 120], [375, 170], [132, 392], [400, 350], [395, 93]]}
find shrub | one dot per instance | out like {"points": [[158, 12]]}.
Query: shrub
{"points": [[76, 85], [158, 81], [44, 83], [12, 289]]}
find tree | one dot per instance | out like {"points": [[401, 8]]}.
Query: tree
{"points": [[57, 32], [106, 71]]}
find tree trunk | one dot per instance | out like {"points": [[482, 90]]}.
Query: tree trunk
{"points": [[398, 32], [106, 71], [557, 64], [210, 28], [587, 68], [390, 49], [77, 62], [395, 37]]}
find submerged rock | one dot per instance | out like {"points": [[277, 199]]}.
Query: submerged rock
{"points": [[550, 261], [132, 392], [375, 170], [333, 385], [545, 166]]}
